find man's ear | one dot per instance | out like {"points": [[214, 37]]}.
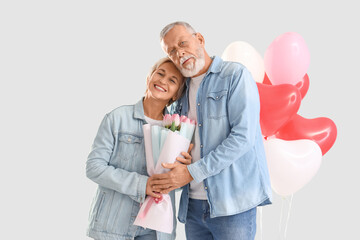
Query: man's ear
{"points": [[200, 38]]}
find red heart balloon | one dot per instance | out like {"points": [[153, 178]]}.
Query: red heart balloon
{"points": [[302, 85], [321, 130], [266, 80], [278, 104]]}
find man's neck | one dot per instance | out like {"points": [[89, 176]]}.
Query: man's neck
{"points": [[206, 67]]}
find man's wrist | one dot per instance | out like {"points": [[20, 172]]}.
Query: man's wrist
{"points": [[188, 171], [196, 172]]}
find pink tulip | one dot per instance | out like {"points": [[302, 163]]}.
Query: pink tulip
{"points": [[192, 122], [183, 118], [167, 120], [176, 119]]}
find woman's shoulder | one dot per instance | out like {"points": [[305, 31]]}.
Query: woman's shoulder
{"points": [[121, 112]]}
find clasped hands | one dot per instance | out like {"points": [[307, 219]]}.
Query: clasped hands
{"points": [[177, 177]]}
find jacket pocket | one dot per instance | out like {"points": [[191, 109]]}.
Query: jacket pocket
{"points": [[216, 104], [129, 148], [100, 206]]}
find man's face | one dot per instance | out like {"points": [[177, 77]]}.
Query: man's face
{"points": [[186, 50]]}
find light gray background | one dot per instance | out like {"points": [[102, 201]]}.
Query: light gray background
{"points": [[64, 64]]}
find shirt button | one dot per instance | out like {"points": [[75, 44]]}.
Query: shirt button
{"points": [[199, 124], [217, 97], [205, 188], [198, 104], [201, 145], [129, 139]]}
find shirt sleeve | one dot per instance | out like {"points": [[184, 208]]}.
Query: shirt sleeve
{"points": [[98, 169], [243, 113]]}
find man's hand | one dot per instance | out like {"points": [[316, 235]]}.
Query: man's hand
{"points": [[187, 157], [177, 177]]}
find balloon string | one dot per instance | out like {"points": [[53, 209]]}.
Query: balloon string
{"points": [[281, 214], [288, 216], [261, 220]]}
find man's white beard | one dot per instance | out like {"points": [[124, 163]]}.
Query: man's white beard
{"points": [[193, 68]]}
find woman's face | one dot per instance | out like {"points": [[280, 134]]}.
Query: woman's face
{"points": [[165, 82]]}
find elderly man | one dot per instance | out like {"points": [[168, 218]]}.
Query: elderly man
{"points": [[228, 177]]}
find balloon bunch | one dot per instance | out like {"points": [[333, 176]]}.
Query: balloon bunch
{"points": [[294, 145]]}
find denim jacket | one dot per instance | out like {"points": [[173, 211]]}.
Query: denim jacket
{"points": [[233, 164], [117, 164]]}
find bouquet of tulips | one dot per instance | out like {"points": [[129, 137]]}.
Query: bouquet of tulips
{"points": [[163, 144]]}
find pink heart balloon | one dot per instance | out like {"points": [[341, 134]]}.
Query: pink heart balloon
{"points": [[292, 164], [287, 59], [321, 130]]}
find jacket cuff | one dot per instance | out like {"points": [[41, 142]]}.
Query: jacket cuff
{"points": [[141, 189], [196, 170]]}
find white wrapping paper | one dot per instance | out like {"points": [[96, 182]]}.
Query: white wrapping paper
{"points": [[154, 214]]}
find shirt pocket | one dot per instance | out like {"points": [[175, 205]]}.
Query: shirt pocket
{"points": [[216, 104], [129, 147]]}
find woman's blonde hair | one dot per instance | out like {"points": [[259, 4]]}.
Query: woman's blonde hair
{"points": [[161, 61]]}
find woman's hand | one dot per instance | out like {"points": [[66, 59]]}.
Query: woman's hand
{"points": [[150, 191], [187, 157]]}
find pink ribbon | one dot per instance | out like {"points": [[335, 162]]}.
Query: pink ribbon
{"points": [[149, 203]]}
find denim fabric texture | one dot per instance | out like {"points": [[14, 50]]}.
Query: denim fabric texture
{"points": [[233, 165], [199, 225], [117, 164]]}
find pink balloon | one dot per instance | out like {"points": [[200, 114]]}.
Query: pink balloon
{"points": [[287, 59]]}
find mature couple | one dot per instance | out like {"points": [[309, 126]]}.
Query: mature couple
{"points": [[225, 176]]}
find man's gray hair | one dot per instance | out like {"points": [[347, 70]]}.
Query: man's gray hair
{"points": [[168, 27]]}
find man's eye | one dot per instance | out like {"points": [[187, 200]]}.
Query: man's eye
{"points": [[182, 43], [172, 52]]}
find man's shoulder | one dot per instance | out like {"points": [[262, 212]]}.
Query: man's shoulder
{"points": [[231, 68]]}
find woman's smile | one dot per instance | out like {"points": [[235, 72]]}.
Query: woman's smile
{"points": [[159, 88]]}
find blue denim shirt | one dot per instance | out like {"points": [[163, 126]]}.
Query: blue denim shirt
{"points": [[233, 164], [117, 164]]}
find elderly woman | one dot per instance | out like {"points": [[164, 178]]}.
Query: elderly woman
{"points": [[117, 159]]}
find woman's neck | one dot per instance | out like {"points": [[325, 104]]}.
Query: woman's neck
{"points": [[153, 108]]}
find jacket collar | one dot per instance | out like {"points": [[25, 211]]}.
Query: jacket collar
{"points": [[139, 110]]}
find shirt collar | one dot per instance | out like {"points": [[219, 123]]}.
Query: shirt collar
{"points": [[215, 67]]}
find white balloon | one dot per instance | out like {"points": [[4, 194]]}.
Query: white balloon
{"points": [[247, 55], [292, 164]]}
